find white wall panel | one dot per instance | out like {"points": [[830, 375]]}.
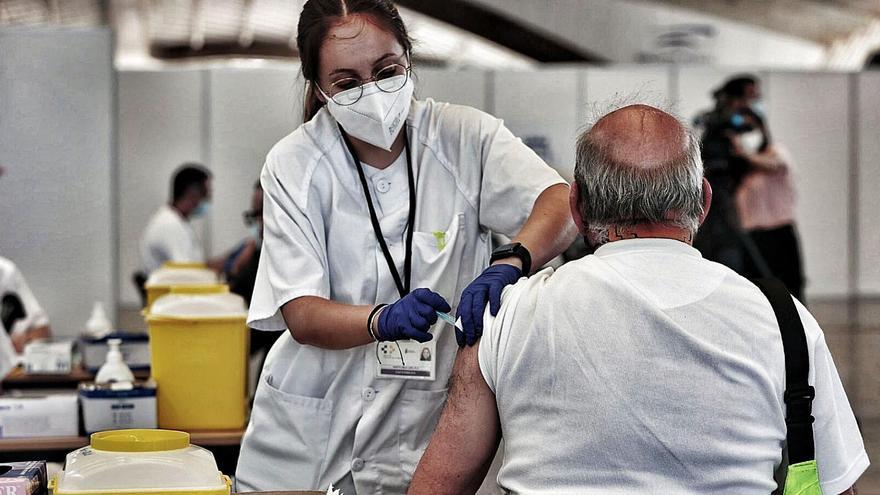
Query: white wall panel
{"points": [[56, 142], [250, 110], [538, 106], [808, 113], [464, 87], [160, 126], [869, 183]]}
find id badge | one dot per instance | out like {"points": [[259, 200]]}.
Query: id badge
{"points": [[406, 360]]}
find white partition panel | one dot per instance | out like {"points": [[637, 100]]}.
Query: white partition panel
{"points": [[606, 88], [869, 182], [537, 107], [693, 92], [250, 110], [464, 87], [808, 113], [160, 126], [56, 143]]}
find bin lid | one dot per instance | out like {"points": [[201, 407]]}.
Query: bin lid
{"points": [[139, 440], [167, 276], [199, 306], [138, 461]]}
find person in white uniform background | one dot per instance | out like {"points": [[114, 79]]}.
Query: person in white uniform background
{"points": [[643, 368], [379, 198], [27, 319], [169, 236]]}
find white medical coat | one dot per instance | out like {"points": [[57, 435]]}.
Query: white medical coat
{"points": [[169, 237], [320, 414], [13, 282]]}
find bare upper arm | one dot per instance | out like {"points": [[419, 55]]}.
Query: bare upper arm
{"points": [[466, 437]]}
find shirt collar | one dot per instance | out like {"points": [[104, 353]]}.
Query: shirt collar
{"points": [[652, 244]]}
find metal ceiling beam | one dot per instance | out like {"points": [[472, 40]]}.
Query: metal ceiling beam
{"points": [[501, 30], [815, 20]]}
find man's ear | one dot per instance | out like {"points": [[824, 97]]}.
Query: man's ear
{"points": [[707, 200], [573, 203]]}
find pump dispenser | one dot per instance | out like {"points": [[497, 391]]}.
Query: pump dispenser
{"points": [[98, 325], [115, 369]]}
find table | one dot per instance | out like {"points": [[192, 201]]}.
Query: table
{"points": [[18, 379], [219, 438]]}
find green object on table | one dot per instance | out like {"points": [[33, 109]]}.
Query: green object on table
{"points": [[802, 479]]}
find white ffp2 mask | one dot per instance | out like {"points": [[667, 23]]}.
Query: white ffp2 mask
{"points": [[377, 117], [751, 141]]}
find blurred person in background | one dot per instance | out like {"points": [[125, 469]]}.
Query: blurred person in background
{"points": [[765, 201], [241, 273], [170, 236], [241, 264], [23, 317], [724, 132]]}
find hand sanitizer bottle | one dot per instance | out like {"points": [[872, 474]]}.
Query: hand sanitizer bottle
{"points": [[115, 369]]}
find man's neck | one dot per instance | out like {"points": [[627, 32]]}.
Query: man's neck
{"points": [[180, 211], [644, 231]]}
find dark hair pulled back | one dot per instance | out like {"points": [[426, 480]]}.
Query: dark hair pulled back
{"points": [[318, 16], [735, 87]]}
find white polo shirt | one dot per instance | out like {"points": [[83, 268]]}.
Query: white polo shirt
{"points": [[169, 237], [646, 369]]}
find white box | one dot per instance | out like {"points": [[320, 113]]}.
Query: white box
{"points": [[42, 357], [107, 409], [39, 415]]}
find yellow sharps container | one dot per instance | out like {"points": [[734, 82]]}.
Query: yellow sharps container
{"points": [[198, 354], [173, 275], [140, 462]]}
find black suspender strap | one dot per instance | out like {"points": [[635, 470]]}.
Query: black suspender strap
{"points": [[798, 392]]}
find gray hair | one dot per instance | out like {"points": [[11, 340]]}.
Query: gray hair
{"points": [[618, 193]]}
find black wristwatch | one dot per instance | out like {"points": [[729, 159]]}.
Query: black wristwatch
{"points": [[514, 249]]}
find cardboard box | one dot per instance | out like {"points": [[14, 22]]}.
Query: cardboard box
{"points": [[135, 351], [43, 357], [23, 478], [107, 407], [39, 415]]}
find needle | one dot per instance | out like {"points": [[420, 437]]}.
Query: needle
{"points": [[449, 319]]}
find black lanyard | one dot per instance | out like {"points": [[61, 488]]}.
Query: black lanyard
{"points": [[402, 285]]}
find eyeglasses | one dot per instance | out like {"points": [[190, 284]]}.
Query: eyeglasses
{"points": [[389, 79], [251, 216]]}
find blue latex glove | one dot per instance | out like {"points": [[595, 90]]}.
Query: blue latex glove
{"points": [[411, 316], [486, 287]]}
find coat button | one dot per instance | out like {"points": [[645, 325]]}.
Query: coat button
{"points": [[357, 464], [383, 185], [368, 394]]}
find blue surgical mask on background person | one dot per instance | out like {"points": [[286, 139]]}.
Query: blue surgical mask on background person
{"points": [[377, 117], [737, 121], [202, 209]]}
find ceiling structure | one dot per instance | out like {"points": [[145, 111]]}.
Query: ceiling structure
{"points": [[452, 32]]}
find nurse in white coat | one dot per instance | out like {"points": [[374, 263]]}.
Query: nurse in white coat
{"points": [[379, 199]]}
